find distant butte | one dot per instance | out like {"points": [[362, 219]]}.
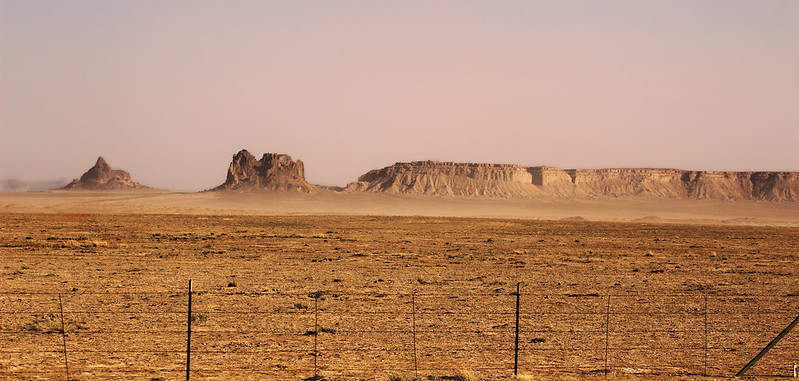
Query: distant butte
{"points": [[102, 177], [514, 181], [274, 172], [278, 172]]}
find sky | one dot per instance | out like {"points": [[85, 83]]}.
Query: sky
{"points": [[170, 90]]}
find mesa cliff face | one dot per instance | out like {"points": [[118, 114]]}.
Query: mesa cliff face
{"points": [[274, 172], [449, 179], [506, 181], [102, 177], [775, 186]]}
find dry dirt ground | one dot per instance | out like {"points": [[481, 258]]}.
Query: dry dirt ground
{"points": [[340, 296]]}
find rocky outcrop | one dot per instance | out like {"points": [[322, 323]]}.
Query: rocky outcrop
{"points": [[505, 181], [274, 172], [775, 186], [102, 177]]}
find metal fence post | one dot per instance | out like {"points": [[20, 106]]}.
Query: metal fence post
{"points": [[188, 336], [315, 333], [705, 372], [63, 335], [516, 346], [607, 335], [774, 342], [413, 316]]}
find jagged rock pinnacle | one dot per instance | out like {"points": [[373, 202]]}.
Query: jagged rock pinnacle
{"points": [[274, 172]]}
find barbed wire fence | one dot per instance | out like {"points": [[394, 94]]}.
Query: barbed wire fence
{"points": [[355, 335]]}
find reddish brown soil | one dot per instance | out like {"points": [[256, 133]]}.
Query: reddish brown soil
{"points": [[661, 300]]}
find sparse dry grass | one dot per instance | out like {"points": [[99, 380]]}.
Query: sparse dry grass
{"points": [[466, 375], [362, 262], [402, 377]]}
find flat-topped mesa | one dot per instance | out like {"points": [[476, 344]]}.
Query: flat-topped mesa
{"points": [[767, 186], [449, 179], [673, 183], [274, 172], [510, 180], [102, 177]]}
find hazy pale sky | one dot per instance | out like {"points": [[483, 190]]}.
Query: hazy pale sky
{"points": [[170, 90]]}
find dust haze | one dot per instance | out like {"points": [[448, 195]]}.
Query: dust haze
{"points": [[328, 202]]}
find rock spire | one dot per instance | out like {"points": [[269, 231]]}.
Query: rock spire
{"points": [[274, 172]]}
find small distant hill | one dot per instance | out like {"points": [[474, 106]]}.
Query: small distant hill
{"points": [[102, 177], [19, 185], [274, 172]]}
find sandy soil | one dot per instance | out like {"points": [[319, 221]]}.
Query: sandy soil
{"points": [[630, 209], [644, 300]]}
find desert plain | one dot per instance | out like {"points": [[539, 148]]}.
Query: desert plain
{"points": [[371, 286]]}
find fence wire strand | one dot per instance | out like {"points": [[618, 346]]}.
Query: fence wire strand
{"points": [[439, 335]]}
